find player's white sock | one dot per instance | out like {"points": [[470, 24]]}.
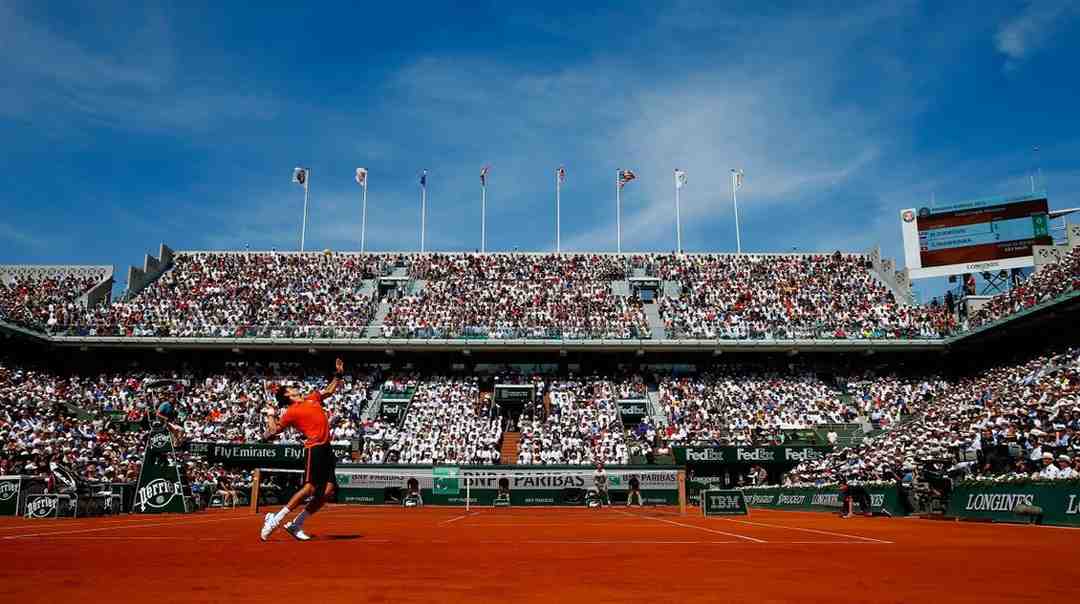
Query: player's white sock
{"points": [[298, 522], [282, 513]]}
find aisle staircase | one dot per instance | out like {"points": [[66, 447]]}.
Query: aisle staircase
{"points": [[508, 453], [848, 435], [374, 329], [656, 323]]}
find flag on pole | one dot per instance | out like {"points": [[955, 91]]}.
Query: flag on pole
{"points": [[483, 175], [626, 176], [737, 176], [562, 175], [680, 178], [361, 176], [299, 175], [423, 179]]}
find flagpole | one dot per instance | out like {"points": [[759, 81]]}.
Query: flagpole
{"points": [[483, 218], [363, 218], [303, 227], [558, 242], [735, 204], [618, 212], [423, 214], [678, 218]]}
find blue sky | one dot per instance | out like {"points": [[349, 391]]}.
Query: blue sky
{"points": [[124, 127]]}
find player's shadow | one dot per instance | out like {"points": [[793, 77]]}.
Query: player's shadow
{"points": [[342, 537]]}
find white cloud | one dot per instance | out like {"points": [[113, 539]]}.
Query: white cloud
{"points": [[58, 84], [1031, 29]]}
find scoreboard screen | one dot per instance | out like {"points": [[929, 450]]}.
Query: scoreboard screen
{"points": [[514, 393], [974, 236]]}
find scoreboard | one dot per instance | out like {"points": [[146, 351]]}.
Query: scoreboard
{"points": [[974, 236]]}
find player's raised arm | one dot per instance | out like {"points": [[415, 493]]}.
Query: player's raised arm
{"points": [[339, 371]]}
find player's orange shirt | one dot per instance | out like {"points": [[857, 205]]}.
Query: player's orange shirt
{"points": [[309, 417]]}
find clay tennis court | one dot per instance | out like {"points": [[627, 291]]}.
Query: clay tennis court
{"points": [[383, 554]]}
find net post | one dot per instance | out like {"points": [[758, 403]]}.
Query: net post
{"points": [[681, 479], [255, 480], [468, 494]]}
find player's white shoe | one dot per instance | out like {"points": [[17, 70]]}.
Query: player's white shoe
{"points": [[297, 532], [269, 524]]}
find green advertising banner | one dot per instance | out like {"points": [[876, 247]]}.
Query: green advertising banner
{"points": [[824, 499], [161, 483], [749, 455], [529, 485], [717, 502], [10, 493], [1058, 501], [252, 455], [632, 411]]}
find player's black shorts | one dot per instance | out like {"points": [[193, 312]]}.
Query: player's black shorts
{"points": [[320, 465]]}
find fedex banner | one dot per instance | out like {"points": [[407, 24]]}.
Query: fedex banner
{"points": [[749, 455]]}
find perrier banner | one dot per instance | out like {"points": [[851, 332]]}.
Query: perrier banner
{"points": [[10, 487], [161, 483], [977, 500]]}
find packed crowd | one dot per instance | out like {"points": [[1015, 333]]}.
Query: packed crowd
{"points": [[736, 405], [577, 422], [447, 423], [44, 301], [94, 422], [1014, 420], [1051, 281], [269, 294], [788, 296], [516, 296], [246, 295]]}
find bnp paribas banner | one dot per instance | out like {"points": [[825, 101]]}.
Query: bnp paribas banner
{"points": [[1058, 501], [749, 455], [527, 485]]}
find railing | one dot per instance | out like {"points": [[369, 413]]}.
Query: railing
{"points": [[359, 331]]}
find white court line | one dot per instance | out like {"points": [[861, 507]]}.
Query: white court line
{"points": [[700, 528], [123, 526], [806, 530], [456, 518]]}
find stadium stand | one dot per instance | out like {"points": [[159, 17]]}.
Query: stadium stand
{"points": [[755, 296], [44, 298], [1050, 282], [507, 296], [239, 294], [1002, 421], [516, 296], [581, 426]]}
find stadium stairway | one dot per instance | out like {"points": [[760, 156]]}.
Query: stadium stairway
{"points": [[374, 329], [508, 453], [847, 435], [656, 324]]}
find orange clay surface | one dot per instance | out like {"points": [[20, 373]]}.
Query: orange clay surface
{"points": [[384, 554]]}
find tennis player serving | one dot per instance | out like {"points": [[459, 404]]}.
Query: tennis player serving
{"points": [[308, 416]]}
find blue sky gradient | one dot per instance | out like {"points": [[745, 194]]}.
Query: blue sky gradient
{"points": [[124, 127]]}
